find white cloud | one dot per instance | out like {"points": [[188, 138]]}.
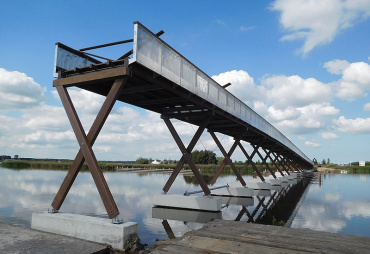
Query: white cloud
{"points": [[46, 117], [333, 197], [242, 85], [286, 114], [355, 81], [329, 135], [246, 28], [312, 143], [318, 22], [366, 107], [356, 208], [291, 103], [18, 91], [295, 91], [354, 126], [336, 66], [302, 138]]}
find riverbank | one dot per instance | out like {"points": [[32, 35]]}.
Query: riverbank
{"points": [[116, 166]]}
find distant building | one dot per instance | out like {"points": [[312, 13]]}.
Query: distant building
{"points": [[16, 157], [156, 162]]}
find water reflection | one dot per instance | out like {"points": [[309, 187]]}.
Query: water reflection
{"points": [[337, 203], [23, 192]]}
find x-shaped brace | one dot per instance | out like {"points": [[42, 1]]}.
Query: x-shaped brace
{"points": [[86, 153], [189, 149], [264, 161], [273, 161], [227, 159], [250, 161], [186, 154], [282, 162]]}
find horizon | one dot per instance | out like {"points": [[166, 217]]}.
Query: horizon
{"points": [[304, 67]]}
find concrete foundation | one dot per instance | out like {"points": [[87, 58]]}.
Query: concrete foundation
{"points": [[259, 185], [238, 201], [276, 187], [89, 228], [188, 202], [273, 181], [233, 192], [185, 215], [284, 179], [262, 193]]}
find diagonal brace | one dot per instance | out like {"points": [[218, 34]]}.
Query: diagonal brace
{"points": [[190, 148], [186, 155], [227, 158], [91, 137], [249, 161], [264, 161], [88, 154]]}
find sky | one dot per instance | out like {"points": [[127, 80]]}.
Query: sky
{"points": [[304, 65]]}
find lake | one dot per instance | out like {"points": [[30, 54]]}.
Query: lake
{"points": [[337, 203]]}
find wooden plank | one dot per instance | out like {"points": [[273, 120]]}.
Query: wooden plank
{"points": [[222, 236], [92, 77]]}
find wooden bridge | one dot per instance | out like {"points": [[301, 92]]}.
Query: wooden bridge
{"points": [[156, 77]]}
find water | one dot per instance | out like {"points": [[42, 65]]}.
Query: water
{"points": [[337, 203], [23, 192]]}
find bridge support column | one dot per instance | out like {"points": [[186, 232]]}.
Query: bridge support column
{"points": [[227, 159], [189, 149], [250, 161], [273, 161], [86, 153], [264, 161], [186, 155], [281, 162]]}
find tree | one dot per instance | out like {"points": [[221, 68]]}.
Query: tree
{"points": [[323, 162], [204, 157], [328, 161], [142, 160]]}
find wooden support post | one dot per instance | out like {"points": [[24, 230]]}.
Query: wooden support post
{"points": [[168, 229], [264, 161], [250, 161], [186, 155], [227, 159], [190, 148], [91, 137], [241, 213], [280, 160], [87, 152], [274, 163]]}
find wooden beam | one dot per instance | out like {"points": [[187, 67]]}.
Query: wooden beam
{"points": [[92, 77]]}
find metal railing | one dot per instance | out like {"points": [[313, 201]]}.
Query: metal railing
{"points": [[155, 54]]}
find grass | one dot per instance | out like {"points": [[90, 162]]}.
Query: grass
{"points": [[354, 169]]}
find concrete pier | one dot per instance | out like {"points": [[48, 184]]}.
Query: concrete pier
{"points": [[188, 202], [89, 228], [233, 192]]}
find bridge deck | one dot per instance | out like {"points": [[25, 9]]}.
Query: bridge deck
{"points": [[221, 236], [163, 81]]}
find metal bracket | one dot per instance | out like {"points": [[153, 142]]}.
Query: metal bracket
{"points": [[52, 210], [117, 220]]}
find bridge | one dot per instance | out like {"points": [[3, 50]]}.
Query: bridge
{"points": [[154, 76]]}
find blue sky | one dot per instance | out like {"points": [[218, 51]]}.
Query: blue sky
{"points": [[303, 65]]}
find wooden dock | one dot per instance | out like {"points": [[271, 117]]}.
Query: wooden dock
{"points": [[17, 239], [222, 236]]}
